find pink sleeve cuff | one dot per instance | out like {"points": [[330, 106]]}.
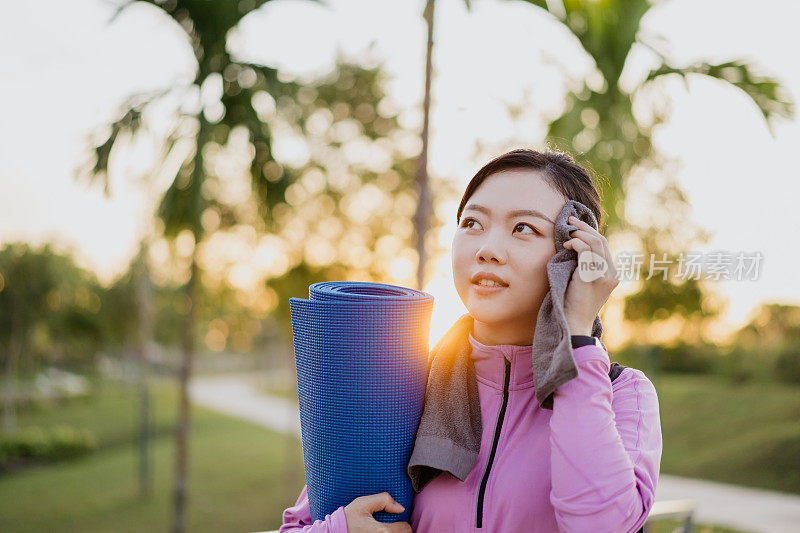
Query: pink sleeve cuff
{"points": [[590, 352], [338, 521]]}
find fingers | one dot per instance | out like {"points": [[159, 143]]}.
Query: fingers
{"points": [[583, 226], [359, 514], [383, 501], [575, 221], [586, 238], [577, 245], [588, 235], [591, 235]]}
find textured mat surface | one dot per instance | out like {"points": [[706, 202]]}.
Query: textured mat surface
{"points": [[361, 351]]}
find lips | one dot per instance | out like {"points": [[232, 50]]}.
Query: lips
{"points": [[488, 275]]}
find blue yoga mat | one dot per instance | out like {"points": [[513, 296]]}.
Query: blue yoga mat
{"points": [[361, 351]]}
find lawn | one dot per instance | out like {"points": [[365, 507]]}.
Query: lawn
{"points": [[744, 434], [241, 476]]}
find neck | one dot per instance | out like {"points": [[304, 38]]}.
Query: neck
{"points": [[503, 333]]}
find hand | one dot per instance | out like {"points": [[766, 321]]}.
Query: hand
{"points": [[359, 514], [592, 281]]}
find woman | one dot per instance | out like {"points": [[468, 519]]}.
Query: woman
{"points": [[589, 464]]}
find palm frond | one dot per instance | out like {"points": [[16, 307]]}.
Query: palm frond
{"points": [[606, 30], [538, 3], [130, 120], [766, 92], [183, 202]]}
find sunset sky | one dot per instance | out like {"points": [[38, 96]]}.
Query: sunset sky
{"points": [[65, 70]]}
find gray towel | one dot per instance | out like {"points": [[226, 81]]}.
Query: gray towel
{"points": [[449, 433]]}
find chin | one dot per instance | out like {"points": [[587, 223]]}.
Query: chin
{"points": [[489, 313]]}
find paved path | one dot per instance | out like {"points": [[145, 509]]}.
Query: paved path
{"points": [[730, 505], [746, 509], [237, 396]]}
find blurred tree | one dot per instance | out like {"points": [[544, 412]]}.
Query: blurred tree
{"points": [[48, 312], [189, 196], [130, 328], [422, 217], [773, 326], [142, 343], [423, 213], [599, 124], [769, 344], [123, 320], [350, 214], [129, 315]]}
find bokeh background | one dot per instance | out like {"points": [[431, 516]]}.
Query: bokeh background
{"points": [[172, 172]]}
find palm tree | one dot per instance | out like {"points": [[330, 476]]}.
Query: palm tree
{"points": [[422, 218], [206, 25], [142, 342], [599, 122]]}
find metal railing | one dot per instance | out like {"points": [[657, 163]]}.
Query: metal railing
{"points": [[673, 510]]}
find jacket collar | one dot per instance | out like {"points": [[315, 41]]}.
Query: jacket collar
{"points": [[490, 366]]}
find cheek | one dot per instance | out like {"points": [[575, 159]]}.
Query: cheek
{"points": [[458, 261], [535, 260], [461, 263]]}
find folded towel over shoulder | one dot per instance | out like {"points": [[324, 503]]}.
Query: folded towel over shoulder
{"points": [[449, 434]]}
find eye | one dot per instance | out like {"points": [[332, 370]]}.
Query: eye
{"points": [[535, 231], [466, 221]]}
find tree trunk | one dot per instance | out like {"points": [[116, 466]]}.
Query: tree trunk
{"points": [[423, 214], [12, 384], [192, 292], [9, 417], [182, 456], [144, 301]]}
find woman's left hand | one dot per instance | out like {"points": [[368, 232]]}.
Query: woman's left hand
{"points": [[593, 279]]}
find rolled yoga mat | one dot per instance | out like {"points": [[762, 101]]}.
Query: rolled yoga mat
{"points": [[361, 351]]}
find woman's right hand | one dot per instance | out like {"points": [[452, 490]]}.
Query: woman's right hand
{"points": [[359, 515]]}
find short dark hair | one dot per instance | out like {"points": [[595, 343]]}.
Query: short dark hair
{"points": [[558, 168]]}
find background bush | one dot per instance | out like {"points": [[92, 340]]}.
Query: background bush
{"points": [[34, 444], [688, 358], [787, 364], [738, 364]]}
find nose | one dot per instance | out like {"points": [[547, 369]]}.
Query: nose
{"points": [[490, 251]]}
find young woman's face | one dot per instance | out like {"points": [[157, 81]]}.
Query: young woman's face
{"points": [[513, 246]]}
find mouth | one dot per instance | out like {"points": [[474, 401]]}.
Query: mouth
{"points": [[488, 289], [489, 278]]}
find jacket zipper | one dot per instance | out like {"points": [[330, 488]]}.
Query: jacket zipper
{"points": [[498, 426]]}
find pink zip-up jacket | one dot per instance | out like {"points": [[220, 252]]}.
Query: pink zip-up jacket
{"points": [[590, 464]]}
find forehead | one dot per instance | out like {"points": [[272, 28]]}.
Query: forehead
{"points": [[510, 190]]}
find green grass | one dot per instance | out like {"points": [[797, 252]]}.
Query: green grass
{"points": [[745, 434], [241, 476]]}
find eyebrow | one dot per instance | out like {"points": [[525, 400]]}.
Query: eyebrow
{"points": [[511, 214]]}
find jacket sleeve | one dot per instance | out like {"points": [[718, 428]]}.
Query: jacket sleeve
{"points": [[605, 449], [298, 518]]}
